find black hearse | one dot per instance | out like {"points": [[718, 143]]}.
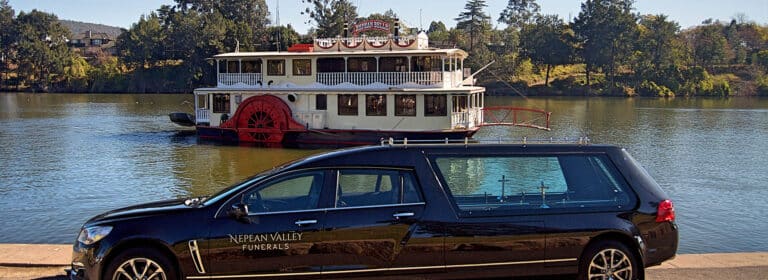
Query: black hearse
{"points": [[428, 211]]}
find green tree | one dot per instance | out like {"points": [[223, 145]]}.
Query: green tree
{"points": [[659, 52], [144, 43], [474, 21], [545, 42], [6, 39], [42, 48], [283, 37], [246, 20], [76, 73], [436, 26], [519, 13], [605, 30], [710, 46], [330, 16], [762, 59]]}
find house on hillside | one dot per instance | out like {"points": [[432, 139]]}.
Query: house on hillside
{"points": [[89, 44]]}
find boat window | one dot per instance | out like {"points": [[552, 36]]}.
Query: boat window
{"points": [[362, 187], [331, 64], [202, 102], [252, 66], [222, 67], [276, 67], [427, 64], [375, 105], [405, 105], [233, 67], [434, 105], [347, 104], [302, 67], [321, 102], [459, 103], [362, 64], [221, 103], [488, 185], [393, 64]]}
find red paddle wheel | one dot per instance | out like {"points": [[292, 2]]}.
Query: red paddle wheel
{"points": [[262, 119]]}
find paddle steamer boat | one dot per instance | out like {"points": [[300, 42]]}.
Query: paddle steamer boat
{"points": [[342, 91]]}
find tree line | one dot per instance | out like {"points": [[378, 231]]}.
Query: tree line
{"points": [[608, 49]]}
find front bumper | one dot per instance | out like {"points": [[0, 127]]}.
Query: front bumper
{"points": [[86, 262]]}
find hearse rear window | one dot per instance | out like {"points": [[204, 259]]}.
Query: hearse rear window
{"points": [[486, 185]]}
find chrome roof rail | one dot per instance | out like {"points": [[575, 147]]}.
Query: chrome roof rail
{"points": [[470, 141]]}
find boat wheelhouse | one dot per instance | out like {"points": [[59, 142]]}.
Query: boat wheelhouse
{"points": [[340, 91]]}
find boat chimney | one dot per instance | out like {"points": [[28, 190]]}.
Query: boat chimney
{"points": [[397, 28], [346, 30]]}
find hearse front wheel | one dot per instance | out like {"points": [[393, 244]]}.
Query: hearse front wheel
{"points": [[609, 260], [140, 263]]}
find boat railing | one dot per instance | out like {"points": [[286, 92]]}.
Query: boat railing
{"points": [[468, 118], [202, 116], [229, 79], [429, 79]]}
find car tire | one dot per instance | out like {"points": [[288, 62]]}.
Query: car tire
{"points": [[140, 263], [609, 259]]}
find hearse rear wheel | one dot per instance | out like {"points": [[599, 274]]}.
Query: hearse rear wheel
{"points": [[141, 264], [609, 260]]}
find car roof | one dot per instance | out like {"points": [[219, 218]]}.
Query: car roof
{"points": [[405, 155]]}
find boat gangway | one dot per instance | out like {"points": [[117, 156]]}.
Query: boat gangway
{"points": [[516, 116]]}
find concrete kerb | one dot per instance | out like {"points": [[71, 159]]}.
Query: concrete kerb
{"points": [[35, 255], [57, 255]]}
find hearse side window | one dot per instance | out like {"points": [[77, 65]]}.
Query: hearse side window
{"points": [[405, 105], [502, 185], [221, 103], [434, 105], [370, 187], [347, 104], [294, 192], [375, 105], [276, 67]]}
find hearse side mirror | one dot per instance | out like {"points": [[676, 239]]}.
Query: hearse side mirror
{"points": [[239, 211]]}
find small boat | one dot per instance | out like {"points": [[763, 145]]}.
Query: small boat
{"points": [[182, 119], [342, 91]]}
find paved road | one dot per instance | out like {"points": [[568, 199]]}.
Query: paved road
{"points": [[48, 262], [753, 272]]}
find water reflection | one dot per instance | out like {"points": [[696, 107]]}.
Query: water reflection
{"points": [[67, 157]]}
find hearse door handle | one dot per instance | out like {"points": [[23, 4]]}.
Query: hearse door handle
{"points": [[305, 222], [402, 215]]}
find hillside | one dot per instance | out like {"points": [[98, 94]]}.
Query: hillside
{"points": [[77, 27]]}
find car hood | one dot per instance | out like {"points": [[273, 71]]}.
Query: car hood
{"points": [[146, 209]]}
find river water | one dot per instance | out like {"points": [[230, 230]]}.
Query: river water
{"points": [[67, 157]]}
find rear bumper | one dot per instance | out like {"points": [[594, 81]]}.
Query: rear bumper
{"points": [[661, 243]]}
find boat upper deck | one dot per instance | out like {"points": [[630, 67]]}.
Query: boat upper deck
{"points": [[346, 63]]}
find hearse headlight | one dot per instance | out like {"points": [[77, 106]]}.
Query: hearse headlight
{"points": [[90, 235]]}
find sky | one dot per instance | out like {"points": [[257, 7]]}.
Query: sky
{"points": [[414, 13]]}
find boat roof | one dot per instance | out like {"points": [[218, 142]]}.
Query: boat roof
{"points": [[325, 90], [431, 51]]}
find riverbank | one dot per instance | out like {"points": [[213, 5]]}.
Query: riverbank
{"points": [[48, 261]]}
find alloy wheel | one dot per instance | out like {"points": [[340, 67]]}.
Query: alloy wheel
{"points": [[610, 264], [139, 269]]}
